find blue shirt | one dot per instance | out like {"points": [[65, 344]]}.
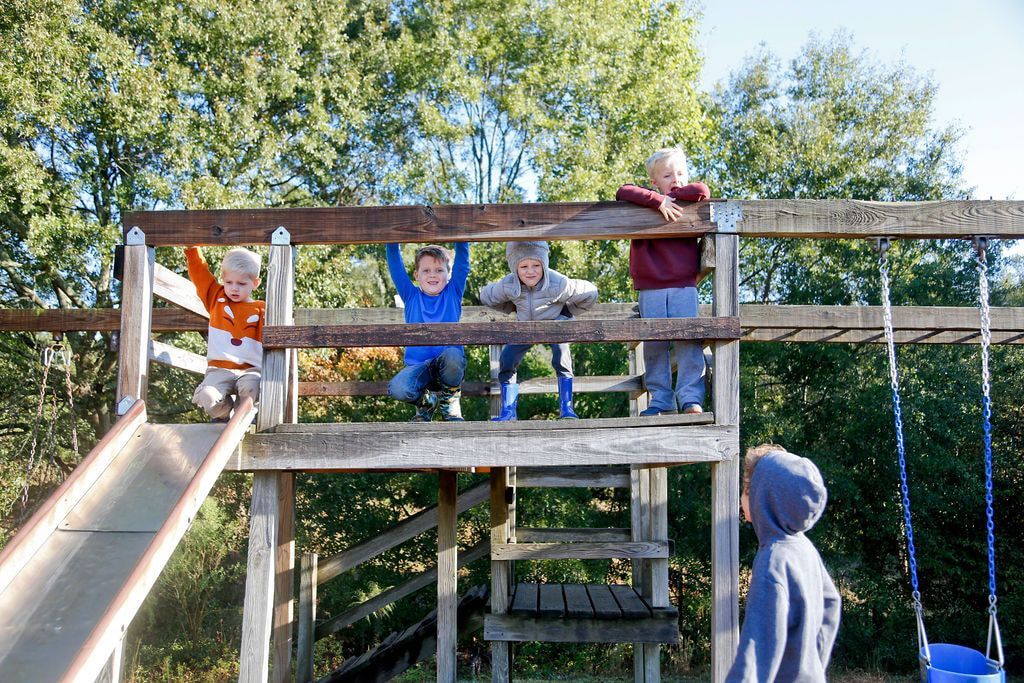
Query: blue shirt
{"points": [[445, 307]]}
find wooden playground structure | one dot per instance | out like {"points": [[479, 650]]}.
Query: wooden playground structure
{"points": [[621, 452]]}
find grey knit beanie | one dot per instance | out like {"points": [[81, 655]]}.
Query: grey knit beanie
{"points": [[517, 251]]}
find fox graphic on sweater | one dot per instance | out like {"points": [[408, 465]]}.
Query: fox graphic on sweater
{"points": [[235, 337]]}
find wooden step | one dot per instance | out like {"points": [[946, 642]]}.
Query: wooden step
{"points": [[592, 613], [597, 550]]}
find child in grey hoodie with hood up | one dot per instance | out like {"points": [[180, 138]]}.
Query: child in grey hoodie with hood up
{"points": [[535, 292], [793, 607]]}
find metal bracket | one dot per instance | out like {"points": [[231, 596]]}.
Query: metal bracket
{"points": [[882, 244], [281, 237], [725, 216], [124, 404], [135, 237]]}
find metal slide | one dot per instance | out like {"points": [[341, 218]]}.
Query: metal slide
{"points": [[75, 575]]}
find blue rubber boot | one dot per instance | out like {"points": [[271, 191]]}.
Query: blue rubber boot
{"points": [[565, 411], [509, 403]]}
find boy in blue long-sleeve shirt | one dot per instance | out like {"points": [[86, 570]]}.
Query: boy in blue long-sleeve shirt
{"points": [[432, 377], [793, 607]]}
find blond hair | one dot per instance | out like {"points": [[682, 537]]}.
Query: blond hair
{"points": [[436, 251], [662, 155], [242, 261], [754, 455]]}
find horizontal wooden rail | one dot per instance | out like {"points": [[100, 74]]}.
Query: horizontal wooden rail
{"points": [[847, 324], [446, 223], [794, 218], [597, 550], [439, 334]]}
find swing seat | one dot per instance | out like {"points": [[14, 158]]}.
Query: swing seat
{"points": [[959, 664]]}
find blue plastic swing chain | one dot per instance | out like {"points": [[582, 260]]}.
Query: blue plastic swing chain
{"points": [[894, 382], [981, 245]]}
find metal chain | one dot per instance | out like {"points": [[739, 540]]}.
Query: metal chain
{"points": [[67, 356], [883, 268], [30, 466], [986, 413]]}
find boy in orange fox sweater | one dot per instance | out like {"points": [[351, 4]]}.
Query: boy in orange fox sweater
{"points": [[235, 343]]}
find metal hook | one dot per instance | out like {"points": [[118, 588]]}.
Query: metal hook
{"points": [[882, 244], [981, 244]]}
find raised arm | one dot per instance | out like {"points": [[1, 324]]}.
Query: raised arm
{"points": [[207, 287], [399, 275], [460, 269]]}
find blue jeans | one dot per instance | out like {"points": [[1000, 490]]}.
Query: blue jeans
{"points": [[512, 355], [446, 370], [672, 302]]}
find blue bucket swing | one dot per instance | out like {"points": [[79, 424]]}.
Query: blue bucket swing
{"points": [[944, 662]]}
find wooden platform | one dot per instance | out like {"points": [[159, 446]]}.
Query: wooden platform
{"points": [[670, 439], [577, 613]]}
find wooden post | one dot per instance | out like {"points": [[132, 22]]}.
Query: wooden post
{"points": [[136, 316], [494, 357], [638, 367], [447, 577], [725, 494], [500, 578], [307, 618], [272, 523]]}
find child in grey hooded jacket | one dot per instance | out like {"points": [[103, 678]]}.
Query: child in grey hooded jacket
{"points": [[535, 292], [793, 607]]}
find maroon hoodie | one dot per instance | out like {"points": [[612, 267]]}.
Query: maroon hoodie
{"points": [[668, 262]]}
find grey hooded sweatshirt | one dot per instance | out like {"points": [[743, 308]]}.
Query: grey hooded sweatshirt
{"points": [[554, 297], [793, 607]]}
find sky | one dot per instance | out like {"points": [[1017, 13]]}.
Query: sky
{"points": [[973, 51]]}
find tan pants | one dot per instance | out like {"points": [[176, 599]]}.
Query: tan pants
{"points": [[216, 393]]}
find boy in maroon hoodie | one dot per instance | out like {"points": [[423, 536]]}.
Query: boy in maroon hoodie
{"points": [[664, 273]]}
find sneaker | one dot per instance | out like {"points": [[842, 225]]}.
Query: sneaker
{"points": [[692, 409], [425, 408], [648, 412], [448, 400]]}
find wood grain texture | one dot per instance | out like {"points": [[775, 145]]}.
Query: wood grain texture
{"points": [[611, 476], [447, 577], [399, 533], [373, 450], [284, 562], [501, 663], [579, 331], [136, 312], [178, 290], [725, 500], [852, 219], [418, 428], [307, 619], [580, 220], [258, 607], [444, 223], [514, 628], [166, 354], [596, 550]]}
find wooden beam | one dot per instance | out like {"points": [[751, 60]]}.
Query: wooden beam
{"points": [[501, 574], [608, 476], [587, 331], [136, 312], [178, 290], [841, 218], [493, 446], [408, 528], [513, 628], [307, 619], [852, 219], [725, 495], [588, 534], [445, 223], [258, 607], [177, 358], [447, 577], [596, 550]]}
